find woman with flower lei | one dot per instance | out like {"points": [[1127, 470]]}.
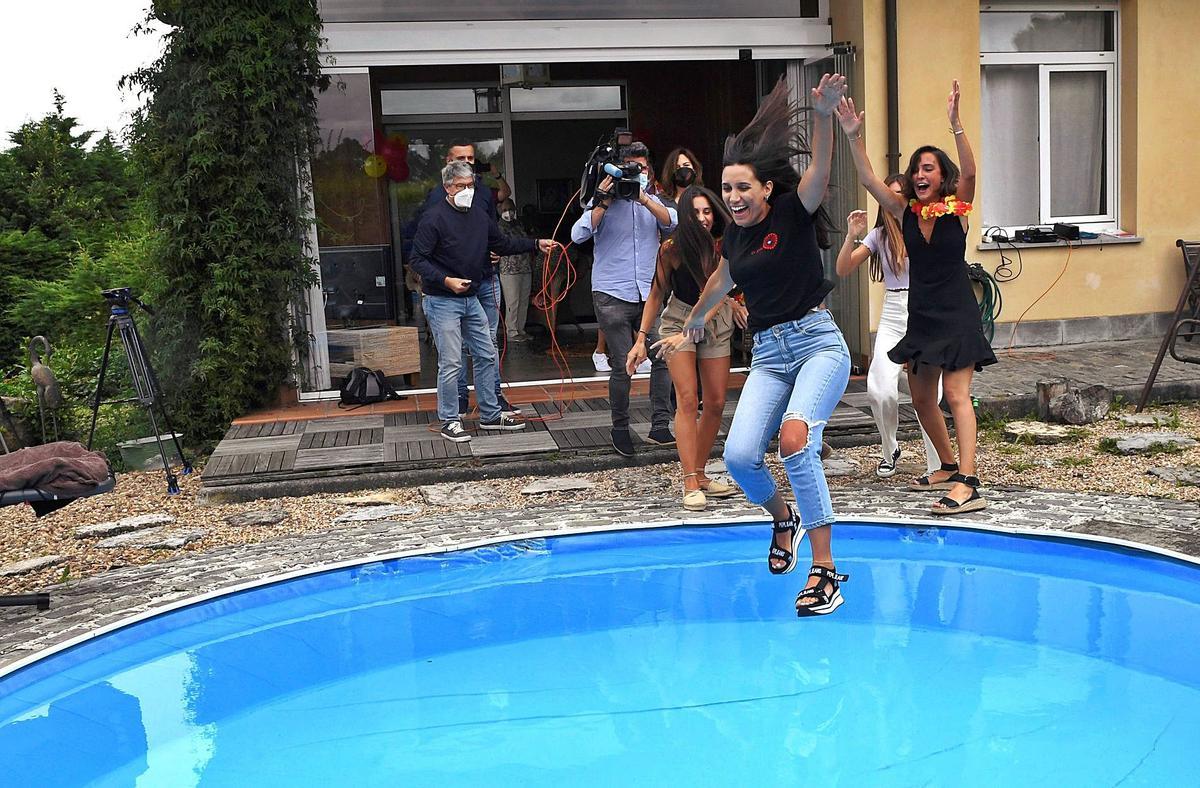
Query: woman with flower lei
{"points": [[944, 340]]}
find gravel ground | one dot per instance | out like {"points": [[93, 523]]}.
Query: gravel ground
{"points": [[1078, 466]]}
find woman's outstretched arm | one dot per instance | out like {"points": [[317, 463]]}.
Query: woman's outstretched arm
{"points": [[852, 124], [851, 256], [718, 284], [966, 157], [815, 180], [654, 301]]}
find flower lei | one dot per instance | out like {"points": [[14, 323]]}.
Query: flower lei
{"points": [[949, 206]]}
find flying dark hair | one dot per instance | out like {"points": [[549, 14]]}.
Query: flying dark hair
{"points": [[666, 184], [945, 164], [693, 244], [767, 145]]}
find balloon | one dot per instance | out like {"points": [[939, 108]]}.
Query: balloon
{"points": [[397, 168], [394, 152], [387, 149], [375, 166]]}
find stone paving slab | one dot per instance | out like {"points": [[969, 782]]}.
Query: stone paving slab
{"points": [[1124, 364], [90, 604]]}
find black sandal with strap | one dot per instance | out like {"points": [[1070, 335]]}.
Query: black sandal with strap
{"points": [[947, 505], [924, 483], [792, 527], [827, 592]]}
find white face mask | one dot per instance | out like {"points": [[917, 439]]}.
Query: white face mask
{"points": [[644, 180], [507, 216], [462, 200]]}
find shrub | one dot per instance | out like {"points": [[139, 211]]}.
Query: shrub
{"points": [[223, 144]]}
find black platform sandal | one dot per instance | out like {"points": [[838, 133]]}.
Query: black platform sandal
{"points": [[791, 526], [827, 593], [947, 505], [923, 483]]}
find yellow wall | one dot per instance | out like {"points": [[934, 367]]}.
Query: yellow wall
{"points": [[1159, 188]]}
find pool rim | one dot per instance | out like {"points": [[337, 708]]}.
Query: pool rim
{"points": [[1093, 541]]}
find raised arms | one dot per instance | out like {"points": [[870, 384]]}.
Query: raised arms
{"points": [[966, 157], [852, 124], [815, 179]]}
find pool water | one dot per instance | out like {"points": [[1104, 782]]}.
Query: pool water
{"points": [[653, 657]]}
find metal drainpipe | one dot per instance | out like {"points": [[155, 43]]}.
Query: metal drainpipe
{"points": [[893, 87]]}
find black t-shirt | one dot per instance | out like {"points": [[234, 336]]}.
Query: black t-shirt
{"points": [[777, 263]]}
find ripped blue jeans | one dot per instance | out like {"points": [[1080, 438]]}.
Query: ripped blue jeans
{"points": [[800, 370]]}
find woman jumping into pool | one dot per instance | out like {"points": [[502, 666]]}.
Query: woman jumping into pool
{"points": [[801, 365], [944, 340]]}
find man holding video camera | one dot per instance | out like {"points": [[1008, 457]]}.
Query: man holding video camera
{"points": [[625, 223], [450, 253]]}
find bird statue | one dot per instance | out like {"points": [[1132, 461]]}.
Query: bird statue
{"points": [[49, 395]]}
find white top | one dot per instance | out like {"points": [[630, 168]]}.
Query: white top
{"points": [[876, 241]]}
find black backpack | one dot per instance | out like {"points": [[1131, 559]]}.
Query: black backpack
{"points": [[365, 387]]}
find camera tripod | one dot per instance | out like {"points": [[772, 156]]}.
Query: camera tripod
{"points": [[145, 383]]}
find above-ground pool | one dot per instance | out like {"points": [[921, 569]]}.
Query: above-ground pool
{"points": [[653, 657]]}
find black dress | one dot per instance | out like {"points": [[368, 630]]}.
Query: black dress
{"points": [[944, 325]]}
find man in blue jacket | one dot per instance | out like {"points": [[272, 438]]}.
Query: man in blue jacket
{"points": [[450, 253], [487, 290]]}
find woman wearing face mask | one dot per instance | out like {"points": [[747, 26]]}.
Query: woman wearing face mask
{"points": [[944, 341], [884, 246], [685, 261], [516, 276], [801, 365], [680, 170]]}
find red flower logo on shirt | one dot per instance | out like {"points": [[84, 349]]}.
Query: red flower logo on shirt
{"points": [[770, 242]]}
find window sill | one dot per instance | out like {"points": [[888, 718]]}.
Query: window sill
{"points": [[1102, 240]]}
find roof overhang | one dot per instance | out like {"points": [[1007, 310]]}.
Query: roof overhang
{"points": [[355, 44]]}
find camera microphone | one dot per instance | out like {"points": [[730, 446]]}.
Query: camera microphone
{"points": [[613, 170]]}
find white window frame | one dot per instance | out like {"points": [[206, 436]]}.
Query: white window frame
{"points": [[1050, 62], [1109, 216]]}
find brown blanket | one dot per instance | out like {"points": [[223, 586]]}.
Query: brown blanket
{"points": [[62, 468]]}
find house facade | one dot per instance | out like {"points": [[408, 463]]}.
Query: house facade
{"points": [[1076, 112]]}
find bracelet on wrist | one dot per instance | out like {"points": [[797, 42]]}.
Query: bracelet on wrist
{"points": [[956, 133], [855, 137]]}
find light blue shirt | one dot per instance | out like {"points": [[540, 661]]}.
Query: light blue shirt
{"points": [[626, 248]]}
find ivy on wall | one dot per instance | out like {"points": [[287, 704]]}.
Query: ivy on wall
{"points": [[223, 144]]}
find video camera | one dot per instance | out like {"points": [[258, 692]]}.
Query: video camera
{"points": [[122, 298], [605, 160]]}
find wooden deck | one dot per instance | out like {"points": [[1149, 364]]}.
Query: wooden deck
{"points": [[297, 448]]}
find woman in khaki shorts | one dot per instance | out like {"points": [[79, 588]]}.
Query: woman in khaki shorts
{"points": [[685, 261]]}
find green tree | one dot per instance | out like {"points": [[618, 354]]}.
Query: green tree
{"points": [[57, 197], [223, 143]]}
